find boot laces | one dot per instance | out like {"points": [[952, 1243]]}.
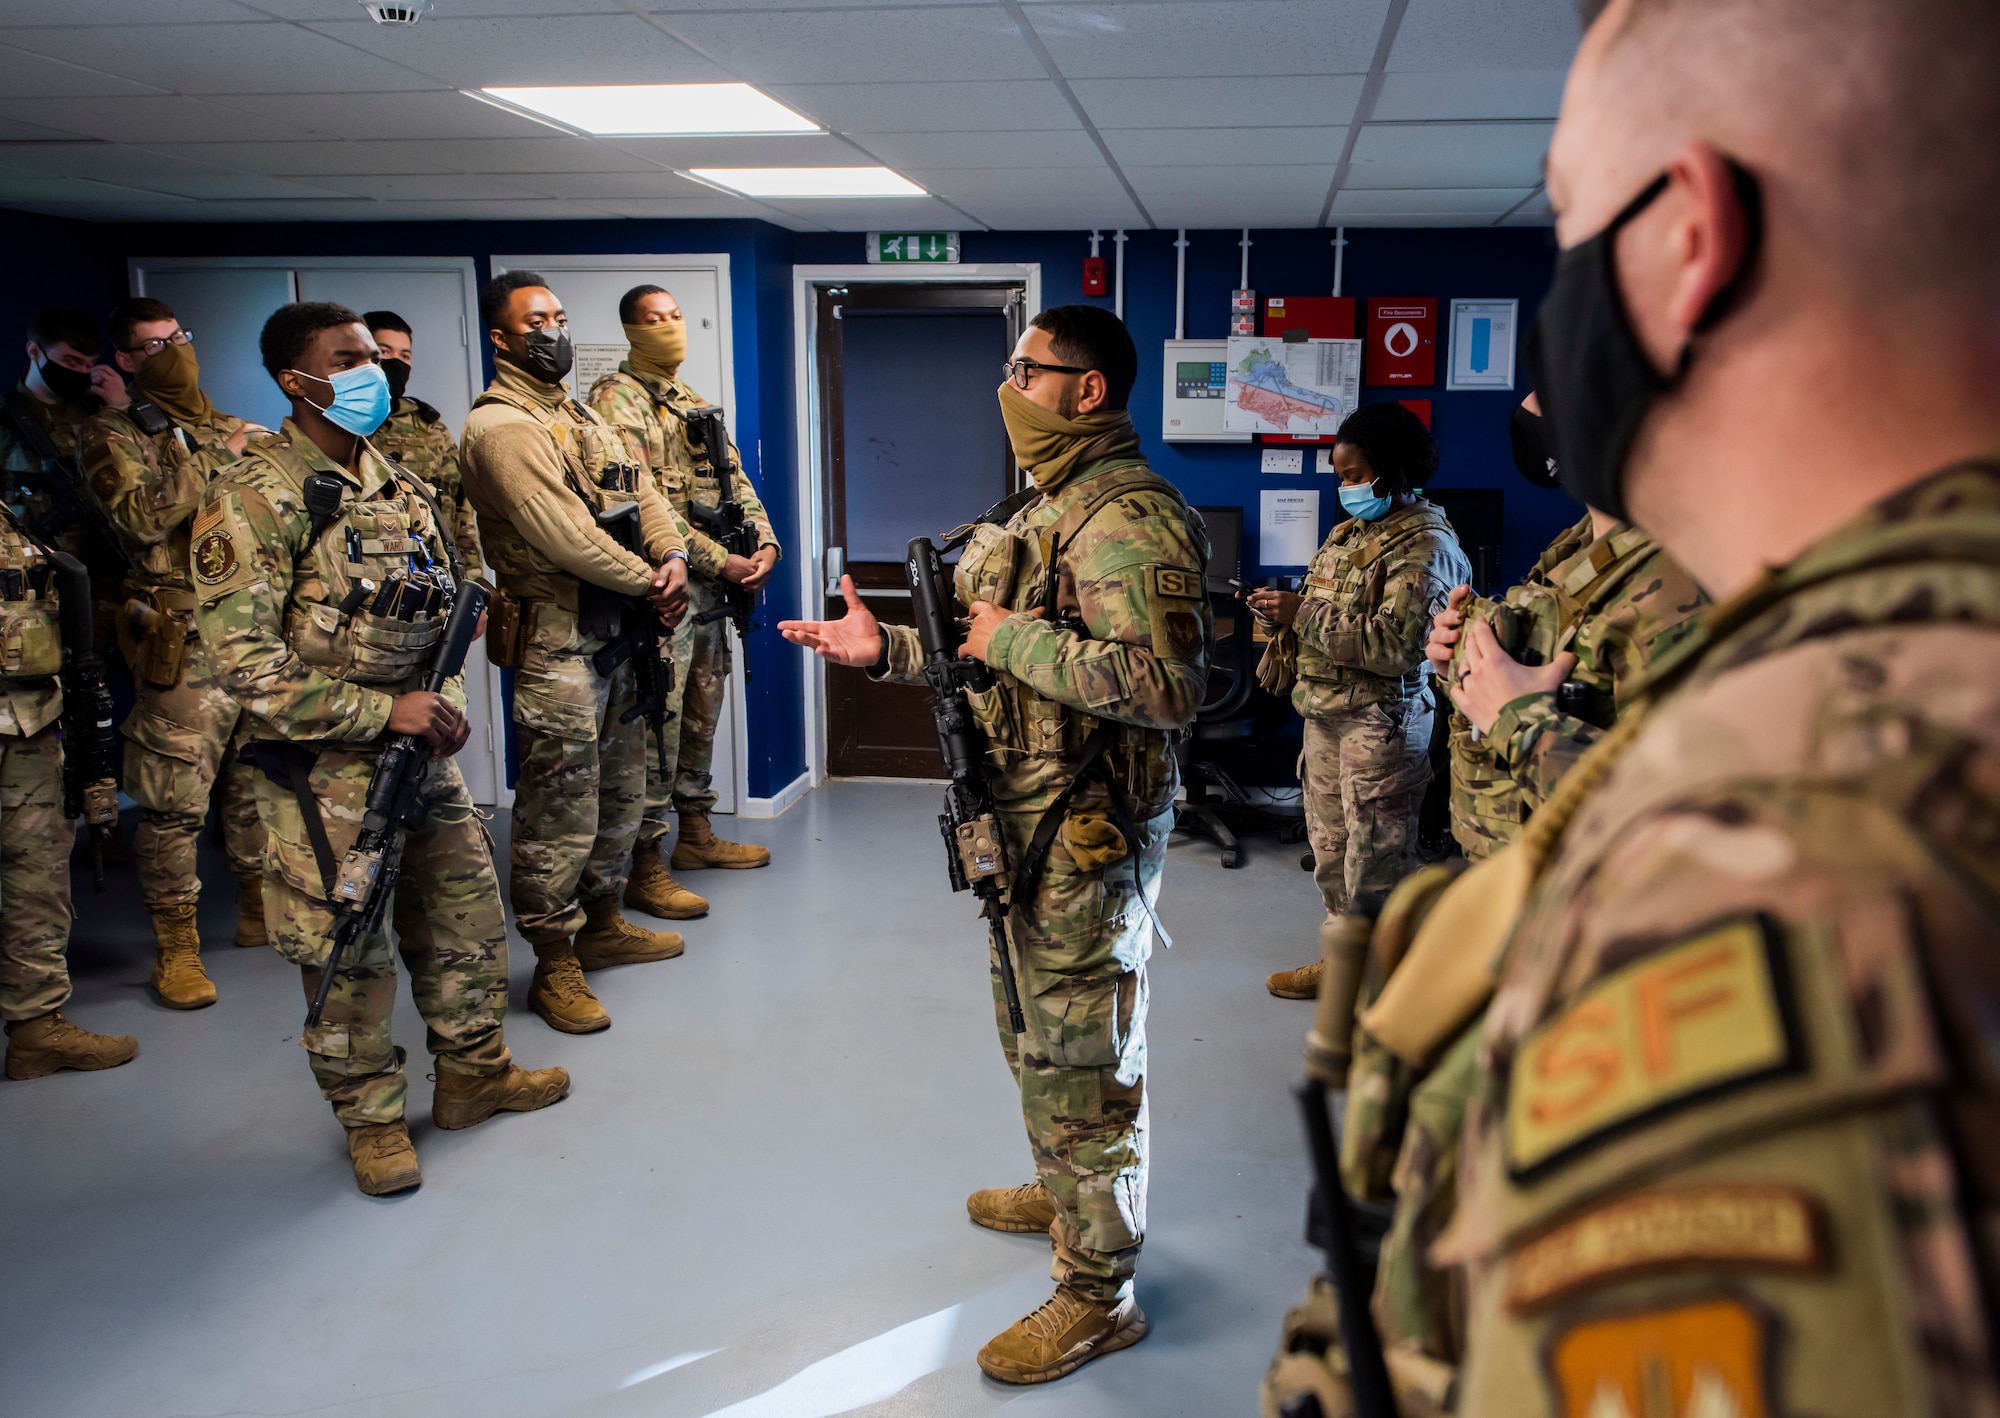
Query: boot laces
{"points": [[180, 964], [564, 979], [1054, 1315]]}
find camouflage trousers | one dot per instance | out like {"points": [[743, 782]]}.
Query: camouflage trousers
{"points": [[657, 822], [449, 930], [579, 793], [1080, 949], [35, 841], [1364, 772], [176, 741], [1415, 1303], [703, 700]]}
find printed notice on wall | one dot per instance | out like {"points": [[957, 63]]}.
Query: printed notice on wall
{"points": [[1288, 532], [593, 362]]}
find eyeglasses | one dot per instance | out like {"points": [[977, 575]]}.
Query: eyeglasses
{"points": [[149, 348], [1019, 371]]}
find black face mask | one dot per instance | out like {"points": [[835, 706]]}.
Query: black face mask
{"points": [[1530, 437], [549, 354], [397, 372], [65, 383], [1593, 378]]}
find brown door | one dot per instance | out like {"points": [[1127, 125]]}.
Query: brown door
{"points": [[913, 446]]}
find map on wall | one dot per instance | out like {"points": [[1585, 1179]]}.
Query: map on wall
{"points": [[1298, 387]]}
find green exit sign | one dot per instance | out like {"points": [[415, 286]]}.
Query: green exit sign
{"points": [[898, 247]]}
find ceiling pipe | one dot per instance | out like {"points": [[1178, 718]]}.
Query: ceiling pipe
{"points": [[1339, 255], [1095, 238], [1118, 280], [1244, 283], [1180, 284]]}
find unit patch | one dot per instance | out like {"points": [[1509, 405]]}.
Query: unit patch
{"points": [[214, 557], [1745, 1224], [1178, 583], [1679, 1024], [1706, 1359]]}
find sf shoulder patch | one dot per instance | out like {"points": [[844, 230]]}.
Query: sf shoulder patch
{"points": [[1682, 1023], [1176, 582], [1707, 1358]]}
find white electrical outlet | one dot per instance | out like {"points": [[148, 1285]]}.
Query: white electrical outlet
{"points": [[1323, 461], [1284, 460]]}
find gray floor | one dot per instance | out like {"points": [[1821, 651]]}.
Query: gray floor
{"points": [[751, 1205]]}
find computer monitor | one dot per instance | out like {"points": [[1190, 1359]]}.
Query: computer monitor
{"points": [[1225, 542]]}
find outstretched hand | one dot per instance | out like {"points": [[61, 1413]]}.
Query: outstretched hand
{"points": [[855, 639]]}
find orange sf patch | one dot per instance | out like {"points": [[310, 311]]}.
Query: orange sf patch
{"points": [[1701, 1360], [214, 557]]}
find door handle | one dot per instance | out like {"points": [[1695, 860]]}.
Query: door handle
{"points": [[836, 566]]}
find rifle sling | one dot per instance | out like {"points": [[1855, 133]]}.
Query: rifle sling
{"points": [[290, 765]]}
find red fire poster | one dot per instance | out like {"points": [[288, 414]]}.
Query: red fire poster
{"points": [[1402, 342]]}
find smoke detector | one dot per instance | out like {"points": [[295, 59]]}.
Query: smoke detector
{"points": [[396, 12]]}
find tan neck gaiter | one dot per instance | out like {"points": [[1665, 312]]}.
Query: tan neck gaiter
{"points": [[172, 379], [658, 349], [1050, 447]]}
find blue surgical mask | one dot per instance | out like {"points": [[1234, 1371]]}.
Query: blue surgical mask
{"points": [[1361, 500], [360, 398]]}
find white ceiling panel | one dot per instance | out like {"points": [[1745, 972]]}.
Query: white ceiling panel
{"points": [[787, 150], [1170, 38], [1486, 34], [1432, 201], [1202, 210], [971, 107], [611, 186], [842, 214], [1449, 155], [222, 59], [861, 46], [696, 209], [970, 150], [433, 114], [546, 154], [1055, 182], [146, 118], [26, 75], [1277, 180], [321, 157], [450, 9], [1418, 95], [151, 172], [21, 14], [1175, 147], [1219, 102], [431, 187], [585, 49]]}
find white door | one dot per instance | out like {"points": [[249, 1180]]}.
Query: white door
{"points": [[589, 288]]}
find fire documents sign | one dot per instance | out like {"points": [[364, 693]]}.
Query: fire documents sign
{"points": [[1482, 344], [891, 248], [1402, 342]]}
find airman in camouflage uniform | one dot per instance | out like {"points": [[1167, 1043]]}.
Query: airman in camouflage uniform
{"points": [[1081, 722], [148, 464], [540, 467], [416, 436], [327, 679], [35, 837], [648, 399]]}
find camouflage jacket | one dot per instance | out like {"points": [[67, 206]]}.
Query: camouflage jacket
{"points": [[1369, 594], [1734, 1092], [268, 594], [1132, 646], [1617, 602], [150, 485], [25, 481], [30, 635], [415, 435], [647, 409]]}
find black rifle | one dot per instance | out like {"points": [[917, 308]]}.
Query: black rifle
{"points": [[975, 849], [60, 486], [394, 806], [708, 432], [90, 742], [637, 636]]}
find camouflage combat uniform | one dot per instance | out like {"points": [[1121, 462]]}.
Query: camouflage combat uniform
{"points": [[320, 685], [1135, 664], [415, 435], [185, 722], [1732, 1145], [537, 465], [1362, 686], [35, 837], [1617, 602], [649, 409], [24, 484]]}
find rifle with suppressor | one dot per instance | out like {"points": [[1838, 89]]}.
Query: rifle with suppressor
{"points": [[975, 849], [708, 432], [393, 807], [637, 636]]}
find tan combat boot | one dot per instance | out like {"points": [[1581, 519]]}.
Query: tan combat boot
{"points": [[653, 890], [463, 1099], [1027, 1207], [607, 938], [178, 978], [1067, 1332], [38, 1047], [699, 847], [1302, 983], [560, 996], [250, 931], [384, 1160]]}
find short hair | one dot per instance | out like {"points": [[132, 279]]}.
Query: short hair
{"points": [[1091, 337], [387, 320], [493, 299], [1395, 442], [59, 325], [628, 303], [137, 311], [292, 328]]}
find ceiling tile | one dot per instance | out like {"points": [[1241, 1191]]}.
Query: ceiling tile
{"points": [[1197, 210], [890, 213], [142, 118], [970, 107], [1419, 201], [431, 186], [610, 186], [149, 172], [795, 150], [221, 59], [1219, 103], [860, 46], [542, 49], [1449, 155], [323, 156], [37, 188], [1235, 180], [13, 130], [1172, 38], [1175, 147], [503, 155], [447, 9], [1470, 93], [436, 113], [25, 75], [1486, 34], [999, 149], [22, 14], [1058, 182], [699, 208]]}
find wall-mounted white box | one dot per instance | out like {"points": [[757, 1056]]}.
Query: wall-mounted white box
{"points": [[1195, 375]]}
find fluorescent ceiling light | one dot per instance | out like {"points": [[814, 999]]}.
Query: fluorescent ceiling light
{"points": [[657, 108], [810, 181]]}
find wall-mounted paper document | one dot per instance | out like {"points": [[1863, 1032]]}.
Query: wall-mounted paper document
{"points": [[1288, 532], [593, 362], [1301, 389]]}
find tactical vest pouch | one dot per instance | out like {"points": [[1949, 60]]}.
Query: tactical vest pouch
{"points": [[30, 638], [385, 650], [504, 631], [988, 566], [153, 634]]}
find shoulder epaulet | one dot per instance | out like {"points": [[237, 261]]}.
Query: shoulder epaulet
{"points": [[427, 413]]}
